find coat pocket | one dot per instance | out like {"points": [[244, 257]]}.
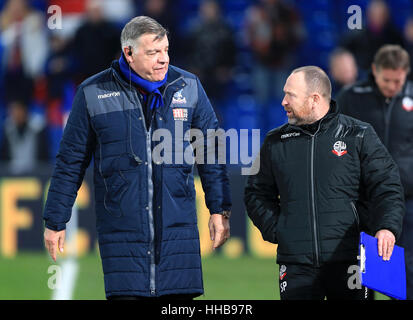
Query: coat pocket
{"points": [[116, 186], [178, 196]]}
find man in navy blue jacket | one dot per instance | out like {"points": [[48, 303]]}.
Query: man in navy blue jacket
{"points": [[145, 199]]}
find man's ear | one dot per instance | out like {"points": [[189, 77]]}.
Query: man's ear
{"points": [[315, 99], [127, 52]]}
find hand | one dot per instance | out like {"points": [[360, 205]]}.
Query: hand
{"points": [[385, 243], [52, 240], [218, 229]]}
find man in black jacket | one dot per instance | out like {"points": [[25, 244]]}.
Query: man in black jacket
{"points": [[385, 100], [313, 171]]}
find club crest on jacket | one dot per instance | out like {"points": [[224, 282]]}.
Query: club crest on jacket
{"points": [[407, 104], [178, 98], [339, 148]]}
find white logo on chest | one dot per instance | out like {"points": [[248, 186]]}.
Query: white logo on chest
{"points": [[178, 98], [339, 148]]}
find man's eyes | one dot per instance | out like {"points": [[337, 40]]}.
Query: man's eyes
{"points": [[152, 53]]}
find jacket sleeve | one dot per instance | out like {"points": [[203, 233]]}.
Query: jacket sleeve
{"points": [[72, 160], [213, 174], [261, 196], [382, 186]]}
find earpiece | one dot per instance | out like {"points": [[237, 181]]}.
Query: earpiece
{"points": [[130, 51]]}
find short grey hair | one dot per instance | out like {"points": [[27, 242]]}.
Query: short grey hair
{"points": [[137, 27], [316, 80]]}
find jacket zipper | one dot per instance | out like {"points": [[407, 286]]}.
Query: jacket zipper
{"points": [[315, 231], [149, 208], [387, 117], [152, 283], [313, 207], [151, 252]]}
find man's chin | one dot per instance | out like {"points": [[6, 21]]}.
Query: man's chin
{"points": [[159, 77], [292, 121]]}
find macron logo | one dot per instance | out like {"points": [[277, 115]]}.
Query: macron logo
{"points": [[289, 135], [109, 95]]}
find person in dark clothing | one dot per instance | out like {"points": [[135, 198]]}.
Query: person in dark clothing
{"points": [[274, 31], [145, 204], [25, 140], [59, 66], [166, 12], [385, 100], [312, 173], [213, 52], [408, 42], [379, 30], [96, 42], [24, 38], [343, 69]]}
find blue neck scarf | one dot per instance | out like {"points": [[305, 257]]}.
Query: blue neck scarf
{"points": [[154, 96]]}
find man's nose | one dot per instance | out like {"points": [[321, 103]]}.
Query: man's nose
{"points": [[284, 102], [392, 86], [163, 57]]}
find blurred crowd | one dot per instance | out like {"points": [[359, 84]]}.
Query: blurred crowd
{"points": [[242, 50]]}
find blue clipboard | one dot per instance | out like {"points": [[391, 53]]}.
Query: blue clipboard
{"points": [[387, 277]]}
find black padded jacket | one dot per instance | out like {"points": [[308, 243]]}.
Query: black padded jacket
{"points": [[392, 119], [305, 195]]}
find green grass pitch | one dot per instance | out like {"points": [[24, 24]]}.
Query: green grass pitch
{"points": [[26, 277]]}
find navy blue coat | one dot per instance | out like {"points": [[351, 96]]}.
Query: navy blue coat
{"points": [[145, 209]]}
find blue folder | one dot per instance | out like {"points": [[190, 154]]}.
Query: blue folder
{"points": [[387, 277]]}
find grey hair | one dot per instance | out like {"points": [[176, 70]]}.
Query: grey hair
{"points": [[137, 27], [316, 80]]}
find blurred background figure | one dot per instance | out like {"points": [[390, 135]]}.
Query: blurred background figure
{"points": [[59, 67], [408, 41], [25, 43], [384, 100], [60, 75], [273, 32], [212, 52], [164, 11], [25, 140], [342, 69], [379, 30], [96, 42]]}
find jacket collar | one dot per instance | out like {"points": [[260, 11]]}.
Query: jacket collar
{"points": [[323, 123], [173, 77], [174, 82]]}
